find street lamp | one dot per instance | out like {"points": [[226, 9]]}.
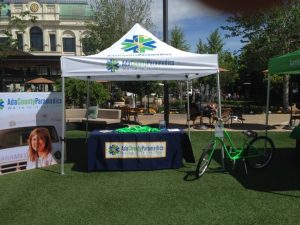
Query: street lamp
{"points": [[166, 84]]}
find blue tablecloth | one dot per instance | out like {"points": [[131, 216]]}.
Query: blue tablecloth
{"points": [[138, 151]]}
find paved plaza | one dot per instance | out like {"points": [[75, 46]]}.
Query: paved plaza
{"points": [[277, 122]]}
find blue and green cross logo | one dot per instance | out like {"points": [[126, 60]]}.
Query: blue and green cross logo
{"points": [[1, 103], [112, 65], [114, 149], [138, 44]]}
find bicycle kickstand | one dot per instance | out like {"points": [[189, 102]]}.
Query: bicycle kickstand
{"points": [[245, 166]]}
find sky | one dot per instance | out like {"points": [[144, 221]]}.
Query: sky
{"points": [[195, 20]]}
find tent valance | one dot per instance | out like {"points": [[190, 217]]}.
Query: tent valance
{"points": [[285, 64]]}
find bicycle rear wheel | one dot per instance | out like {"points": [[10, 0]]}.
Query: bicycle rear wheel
{"points": [[259, 152], [205, 159]]}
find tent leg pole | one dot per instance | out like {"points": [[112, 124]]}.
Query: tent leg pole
{"points": [[87, 107], [220, 113], [188, 108], [267, 105], [63, 138]]}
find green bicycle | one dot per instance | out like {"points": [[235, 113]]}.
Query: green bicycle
{"points": [[256, 152]]}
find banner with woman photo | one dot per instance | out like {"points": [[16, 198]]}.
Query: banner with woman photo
{"points": [[30, 130]]}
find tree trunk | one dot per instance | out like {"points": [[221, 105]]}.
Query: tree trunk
{"points": [[285, 97]]}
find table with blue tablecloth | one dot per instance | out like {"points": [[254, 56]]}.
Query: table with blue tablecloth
{"points": [[109, 150]]}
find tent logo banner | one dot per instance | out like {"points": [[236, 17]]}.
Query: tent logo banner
{"points": [[112, 65], [139, 44]]}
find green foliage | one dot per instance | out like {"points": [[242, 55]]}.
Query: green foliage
{"points": [[202, 48], [177, 39], [215, 45], [76, 92], [268, 33], [111, 20], [215, 42]]}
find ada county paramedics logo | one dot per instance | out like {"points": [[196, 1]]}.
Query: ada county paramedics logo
{"points": [[114, 149], [138, 44], [112, 65], [1, 104]]}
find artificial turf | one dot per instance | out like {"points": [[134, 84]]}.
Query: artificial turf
{"points": [[174, 196]]}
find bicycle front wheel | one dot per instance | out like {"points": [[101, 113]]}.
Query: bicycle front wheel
{"points": [[259, 152], [205, 159]]}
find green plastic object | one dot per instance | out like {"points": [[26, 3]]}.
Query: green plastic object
{"points": [[295, 134], [137, 129]]}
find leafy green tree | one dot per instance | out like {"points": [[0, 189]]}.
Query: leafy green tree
{"points": [[76, 92], [215, 45], [112, 19], [202, 48], [267, 33], [177, 40], [215, 42]]}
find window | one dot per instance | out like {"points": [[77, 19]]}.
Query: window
{"points": [[20, 41], [52, 43], [36, 39], [69, 44], [4, 41]]}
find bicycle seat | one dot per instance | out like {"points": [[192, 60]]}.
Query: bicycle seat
{"points": [[250, 133]]}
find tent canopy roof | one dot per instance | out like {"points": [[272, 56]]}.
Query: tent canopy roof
{"points": [[139, 55], [285, 64]]}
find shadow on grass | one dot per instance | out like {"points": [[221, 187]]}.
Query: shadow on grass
{"points": [[77, 153], [252, 126], [282, 174]]}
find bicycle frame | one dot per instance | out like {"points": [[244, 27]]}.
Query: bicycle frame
{"points": [[231, 151]]}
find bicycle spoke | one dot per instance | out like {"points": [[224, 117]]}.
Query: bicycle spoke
{"points": [[259, 152], [205, 159]]}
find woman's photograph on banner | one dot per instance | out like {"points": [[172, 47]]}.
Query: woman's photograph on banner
{"points": [[40, 147]]}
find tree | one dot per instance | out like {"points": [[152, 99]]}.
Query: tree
{"points": [[177, 40], [76, 92], [215, 45], [267, 33], [111, 19], [202, 48]]}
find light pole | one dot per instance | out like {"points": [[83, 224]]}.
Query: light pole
{"points": [[166, 84]]}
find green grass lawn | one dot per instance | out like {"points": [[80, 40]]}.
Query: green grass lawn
{"points": [[43, 196]]}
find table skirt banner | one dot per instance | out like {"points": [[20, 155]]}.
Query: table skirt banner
{"points": [[108, 150]]}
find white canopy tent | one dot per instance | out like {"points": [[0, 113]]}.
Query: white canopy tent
{"points": [[138, 56]]}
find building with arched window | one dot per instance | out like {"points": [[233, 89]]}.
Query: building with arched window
{"points": [[58, 30]]}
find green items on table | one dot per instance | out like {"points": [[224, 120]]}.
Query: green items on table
{"points": [[137, 129]]}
